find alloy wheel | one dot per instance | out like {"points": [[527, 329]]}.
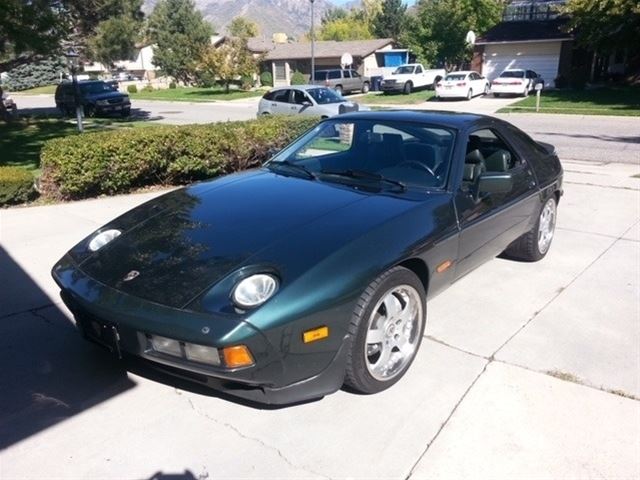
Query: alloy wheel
{"points": [[393, 332], [547, 224]]}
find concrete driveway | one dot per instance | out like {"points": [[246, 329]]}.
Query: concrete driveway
{"points": [[526, 371]]}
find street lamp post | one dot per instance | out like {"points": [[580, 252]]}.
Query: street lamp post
{"points": [[313, 46], [72, 63]]}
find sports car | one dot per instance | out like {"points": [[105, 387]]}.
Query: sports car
{"points": [[283, 283]]}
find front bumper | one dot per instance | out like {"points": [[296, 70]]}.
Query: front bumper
{"points": [[122, 323], [113, 108], [508, 89], [392, 87]]}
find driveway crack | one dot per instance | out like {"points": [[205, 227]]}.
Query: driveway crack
{"points": [[254, 439]]}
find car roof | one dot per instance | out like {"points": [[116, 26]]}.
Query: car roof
{"points": [[457, 120], [297, 87]]}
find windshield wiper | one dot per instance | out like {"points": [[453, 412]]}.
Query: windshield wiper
{"points": [[293, 166], [364, 175]]}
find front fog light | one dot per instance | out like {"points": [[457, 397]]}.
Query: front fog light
{"points": [[102, 238], [254, 290], [202, 354], [166, 345]]}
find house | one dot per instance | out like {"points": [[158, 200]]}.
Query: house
{"points": [[532, 35], [370, 57]]}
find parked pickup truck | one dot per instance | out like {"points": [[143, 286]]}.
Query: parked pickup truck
{"points": [[410, 76]]}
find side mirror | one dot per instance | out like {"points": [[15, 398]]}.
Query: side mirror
{"points": [[306, 103], [495, 182]]}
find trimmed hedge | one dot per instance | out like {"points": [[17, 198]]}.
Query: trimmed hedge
{"points": [[91, 164], [298, 78], [266, 79], [16, 185], [132, 89]]}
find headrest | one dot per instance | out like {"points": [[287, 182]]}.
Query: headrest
{"points": [[474, 143], [474, 156], [498, 161]]}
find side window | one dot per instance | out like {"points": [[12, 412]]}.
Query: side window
{"points": [[418, 69], [346, 73], [355, 74], [299, 97], [281, 96], [489, 153], [334, 75], [268, 95]]}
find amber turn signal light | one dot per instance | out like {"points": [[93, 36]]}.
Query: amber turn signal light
{"points": [[444, 266], [238, 356], [315, 334]]}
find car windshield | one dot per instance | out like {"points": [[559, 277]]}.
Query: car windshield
{"points": [[512, 74], [95, 87], [455, 78], [405, 69], [370, 153], [323, 96]]}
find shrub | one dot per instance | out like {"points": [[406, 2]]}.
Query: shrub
{"points": [[16, 185], [132, 89], [109, 162], [147, 88], [172, 85], [266, 79], [298, 78]]}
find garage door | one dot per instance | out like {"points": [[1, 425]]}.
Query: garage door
{"points": [[541, 57]]}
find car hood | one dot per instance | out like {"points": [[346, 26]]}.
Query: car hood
{"points": [[106, 96], [187, 240]]}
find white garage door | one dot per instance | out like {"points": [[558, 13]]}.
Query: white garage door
{"points": [[542, 58]]}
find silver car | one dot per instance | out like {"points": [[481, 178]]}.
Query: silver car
{"points": [[305, 100]]}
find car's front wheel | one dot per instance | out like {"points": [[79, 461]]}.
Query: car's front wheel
{"points": [[386, 331], [365, 87], [407, 88], [534, 244]]}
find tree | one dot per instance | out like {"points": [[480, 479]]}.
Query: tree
{"points": [[115, 39], [179, 34], [228, 61], [605, 25], [30, 30], [351, 27], [332, 14], [391, 20], [242, 27], [438, 41]]}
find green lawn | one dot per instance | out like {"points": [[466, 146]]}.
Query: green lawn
{"points": [[48, 89], [378, 98], [597, 101], [21, 141], [194, 94]]}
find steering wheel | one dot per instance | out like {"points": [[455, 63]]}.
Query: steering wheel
{"points": [[417, 165]]}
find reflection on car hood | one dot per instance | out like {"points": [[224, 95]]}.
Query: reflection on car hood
{"points": [[186, 240]]}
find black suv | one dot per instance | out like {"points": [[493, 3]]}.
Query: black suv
{"points": [[97, 98]]}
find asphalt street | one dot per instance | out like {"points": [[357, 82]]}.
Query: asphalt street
{"points": [[599, 139]]}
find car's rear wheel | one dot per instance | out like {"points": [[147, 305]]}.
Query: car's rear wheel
{"points": [[407, 88], [486, 89], [365, 87], [386, 331], [535, 244]]}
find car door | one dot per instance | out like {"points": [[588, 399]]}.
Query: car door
{"points": [[419, 76], [299, 102], [280, 102], [477, 83], [356, 80], [490, 222], [347, 81]]}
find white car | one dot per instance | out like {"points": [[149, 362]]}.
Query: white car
{"points": [[411, 76], [516, 82], [305, 100], [464, 84]]}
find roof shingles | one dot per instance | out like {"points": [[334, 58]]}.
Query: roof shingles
{"points": [[323, 49]]}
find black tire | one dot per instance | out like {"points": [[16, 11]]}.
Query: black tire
{"points": [[526, 248], [469, 94], [357, 374], [89, 111], [497, 95], [365, 87], [407, 88], [435, 82]]}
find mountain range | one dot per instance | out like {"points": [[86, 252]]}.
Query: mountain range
{"points": [[292, 17]]}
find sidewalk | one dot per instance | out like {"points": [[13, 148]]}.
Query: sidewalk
{"points": [[526, 371]]}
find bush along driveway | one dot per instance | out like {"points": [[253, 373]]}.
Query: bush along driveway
{"points": [[598, 101]]}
